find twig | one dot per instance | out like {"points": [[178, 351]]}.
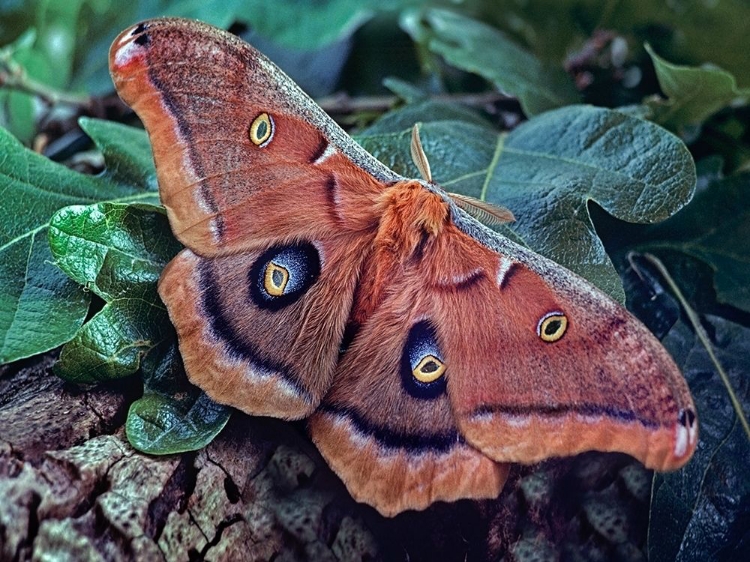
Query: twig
{"points": [[14, 77], [343, 103]]}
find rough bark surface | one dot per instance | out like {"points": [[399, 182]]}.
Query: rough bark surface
{"points": [[72, 488]]}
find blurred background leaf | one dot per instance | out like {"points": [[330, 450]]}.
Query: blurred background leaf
{"points": [[473, 46], [693, 95]]}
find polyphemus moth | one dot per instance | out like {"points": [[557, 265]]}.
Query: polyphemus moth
{"points": [[426, 350]]}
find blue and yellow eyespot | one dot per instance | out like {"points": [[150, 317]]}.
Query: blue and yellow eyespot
{"points": [[262, 129], [552, 326], [282, 274], [429, 369], [422, 365], [275, 279]]}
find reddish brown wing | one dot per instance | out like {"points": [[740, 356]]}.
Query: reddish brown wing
{"points": [[542, 364], [244, 158], [549, 366], [263, 353], [271, 198]]}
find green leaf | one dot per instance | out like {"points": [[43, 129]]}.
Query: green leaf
{"points": [[15, 18], [40, 307], [407, 91], [160, 425], [460, 152], [715, 228], [173, 416], [101, 21], [305, 25], [118, 252], [701, 512], [546, 172], [396, 122], [455, 139], [43, 53], [127, 154], [476, 47], [112, 247], [691, 31], [714, 32], [694, 94], [552, 167], [56, 24]]}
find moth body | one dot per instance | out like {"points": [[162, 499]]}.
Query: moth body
{"points": [[426, 350]]}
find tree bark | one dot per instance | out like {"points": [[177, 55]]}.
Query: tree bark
{"points": [[71, 487]]}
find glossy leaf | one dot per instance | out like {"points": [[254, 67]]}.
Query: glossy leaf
{"points": [[173, 416], [112, 247], [40, 307], [160, 425], [117, 251]]}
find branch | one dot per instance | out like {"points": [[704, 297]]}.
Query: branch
{"points": [[14, 77], [342, 103]]}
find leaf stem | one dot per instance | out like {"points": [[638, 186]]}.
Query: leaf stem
{"points": [[702, 336]]}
